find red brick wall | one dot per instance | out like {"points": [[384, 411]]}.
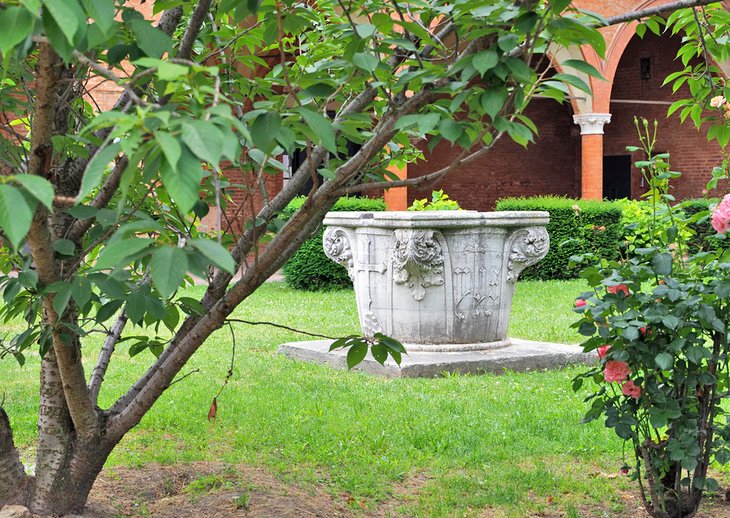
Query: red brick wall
{"points": [[550, 166]]}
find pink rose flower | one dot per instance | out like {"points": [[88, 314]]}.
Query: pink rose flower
{"points": [[616, 371], [603, 350], [618, 288], [629, 388], [721, 215], [579, 303]]}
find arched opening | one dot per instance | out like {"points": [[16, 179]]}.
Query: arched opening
{"points": [[637, 92]]}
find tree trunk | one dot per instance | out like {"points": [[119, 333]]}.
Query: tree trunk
{"points": [[13, 480]]}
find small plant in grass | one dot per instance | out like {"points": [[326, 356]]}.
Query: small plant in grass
{"points": [[242, 501], [659, 324], [439, 201]]}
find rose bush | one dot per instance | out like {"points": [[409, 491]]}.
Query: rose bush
{"points": [[659, 324]]}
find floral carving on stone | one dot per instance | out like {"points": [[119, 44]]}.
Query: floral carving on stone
{"points": [[528, 247], [418, 261], [336, 244]]}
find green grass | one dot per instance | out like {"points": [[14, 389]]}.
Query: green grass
{"points": [[460, 443]]}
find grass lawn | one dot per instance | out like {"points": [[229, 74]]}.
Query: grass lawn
{"points": [[459, 444]]}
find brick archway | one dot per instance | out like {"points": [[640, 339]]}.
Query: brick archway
{"points": [[597, 112]]}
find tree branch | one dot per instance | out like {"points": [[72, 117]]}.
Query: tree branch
{"points": [[187, 41], [102, 364], [39, 239], [653, 11]]}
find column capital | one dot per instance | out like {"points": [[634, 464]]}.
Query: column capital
{"points": [[592, 123]]}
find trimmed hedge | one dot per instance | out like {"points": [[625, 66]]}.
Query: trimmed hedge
{"points": [[309, 268], [595, 228]]}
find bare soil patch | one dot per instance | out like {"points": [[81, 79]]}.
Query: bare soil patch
{"points": [[208, 489], [205, 490]]}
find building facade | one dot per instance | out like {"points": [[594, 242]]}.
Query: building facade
{"points": [[581, 147]]}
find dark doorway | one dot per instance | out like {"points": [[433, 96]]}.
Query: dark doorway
{"points": [[617, 177]]}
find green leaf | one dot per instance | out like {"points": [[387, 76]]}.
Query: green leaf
{"points": [[664, 361], [485, 60], [204, 139], [573, 81], [38, 187], [662, 263], [151, 40], [96, 168], [16, 23], [321, 126], [216, 254], [81, 291], [559, 6], [265, 129], [365, 30], [582, 66], [61, 298], [102, 12], [670, 321], [365, 61], [450, 130], [64, 247], [56, 36], [170, 148], [183, 183], [16, 214], [356, 354], [520, 70], [68, 16], [136, 306], [168, 267], [170, 71], [108, 310], [380, 353], [115, 253], [492, 100]]}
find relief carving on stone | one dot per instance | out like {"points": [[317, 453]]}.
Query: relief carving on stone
{"points": [[527, 247], [418, 261], [336, 244]]}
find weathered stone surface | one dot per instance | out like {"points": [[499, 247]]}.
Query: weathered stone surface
{"points": [[437, 279], [15, 511], [519, 355]]}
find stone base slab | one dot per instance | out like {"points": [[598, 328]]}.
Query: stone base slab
{"points": [[520, 356]]}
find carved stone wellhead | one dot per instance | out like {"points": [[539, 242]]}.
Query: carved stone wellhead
{"points": [[438, 281]]}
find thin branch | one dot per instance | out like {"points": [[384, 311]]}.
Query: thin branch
{"points": [[102, 364], [105, 72], [178, 380], [280, 326]]}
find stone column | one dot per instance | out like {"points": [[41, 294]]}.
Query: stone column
{"points": [[591, 131]]}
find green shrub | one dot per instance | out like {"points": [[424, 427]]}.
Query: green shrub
{"points": [[691, 217], [309, 268], [638, 226], [576, 227]]}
